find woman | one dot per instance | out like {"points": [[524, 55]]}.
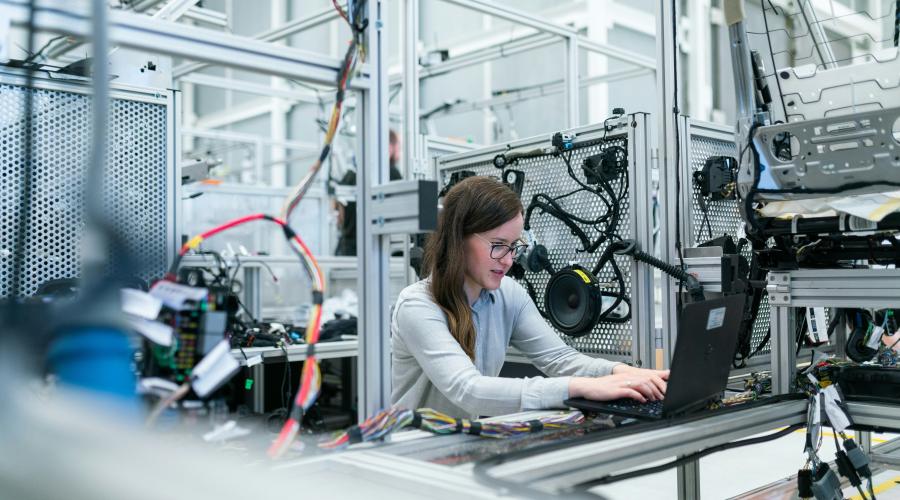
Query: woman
{"points": [[450, 332]]}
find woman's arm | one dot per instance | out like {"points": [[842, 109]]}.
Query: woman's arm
{"points": [[534, 338], [422, 328]]}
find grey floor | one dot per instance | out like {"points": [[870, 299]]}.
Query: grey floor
{"points": [[736, 473]]}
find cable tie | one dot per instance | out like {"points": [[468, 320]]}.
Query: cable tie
{"points": [[310, 350], [475, 428], [288, 232], [317, 297], [535, 425], [459, 425], [354, 435], [416, 420]]}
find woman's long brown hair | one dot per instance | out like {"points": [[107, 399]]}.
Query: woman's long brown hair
{"points": [[475, 205]]}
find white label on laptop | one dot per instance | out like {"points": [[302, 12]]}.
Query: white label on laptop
{"points": [[716, 318]]}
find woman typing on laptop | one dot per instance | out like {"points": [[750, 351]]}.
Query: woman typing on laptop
{"points": [[450, 332]]}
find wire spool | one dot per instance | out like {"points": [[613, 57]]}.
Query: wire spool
{"points": [[573, 301]]}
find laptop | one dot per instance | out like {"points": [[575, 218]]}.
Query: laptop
{"points": [[707, 337]]}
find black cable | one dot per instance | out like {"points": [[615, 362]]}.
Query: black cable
{"points": [[33, 57], [701, 201], [896, 23], [676, 112], [19, 250], [798, 333], [685, 459]]}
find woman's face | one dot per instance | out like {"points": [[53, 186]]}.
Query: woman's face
{"points": [[482, 271]]}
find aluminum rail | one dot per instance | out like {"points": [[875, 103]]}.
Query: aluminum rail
{"points": [[136, 31], [291, 28], [571, 465], [519, 17]]}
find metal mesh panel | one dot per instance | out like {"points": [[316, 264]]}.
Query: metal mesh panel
{"points": [[548, 175], [722, 216], [136, 184]]}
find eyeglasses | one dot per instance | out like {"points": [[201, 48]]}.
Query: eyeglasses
{"points": [[499, 250]]}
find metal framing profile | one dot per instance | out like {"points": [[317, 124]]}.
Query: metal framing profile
{"points": [[136, 31]]}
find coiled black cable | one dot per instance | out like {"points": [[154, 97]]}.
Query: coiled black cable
{"points": [[896, 23]]}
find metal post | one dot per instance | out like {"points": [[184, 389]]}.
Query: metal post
{"points": [[689, 481], [700, 45], [571, 81], [742, 67], [816, 30], [784, 360], [252, 292], [666, 75], [373, 249], [257, 373], [864, 439], [642, 317], [411, 87]]}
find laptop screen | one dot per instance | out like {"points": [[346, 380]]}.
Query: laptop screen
{"points": [[704, 349]]}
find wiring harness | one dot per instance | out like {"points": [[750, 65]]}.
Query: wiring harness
{"points": [[601, 172], [387, 421], [310, 380], [816, 479], [356, 53]]}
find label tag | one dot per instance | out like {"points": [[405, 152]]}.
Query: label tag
{"points": [[154, 331], [875, 337], [837, 416], [214, 369], [255, 360], [175, 295], [139, 303], [816, 409], [818, 327], [716, 318]]}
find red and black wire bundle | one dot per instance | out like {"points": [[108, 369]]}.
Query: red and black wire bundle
{"points": [[310, 380]]}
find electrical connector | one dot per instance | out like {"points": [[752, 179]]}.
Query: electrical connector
{"points": [[826, 485], [859, 459], [563, 141], [846, 469], [804, 483]]}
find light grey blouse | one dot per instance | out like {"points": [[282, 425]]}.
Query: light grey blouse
{"points": [[431, 370]]}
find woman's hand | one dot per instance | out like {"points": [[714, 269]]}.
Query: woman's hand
{"points": [[625, 382]]}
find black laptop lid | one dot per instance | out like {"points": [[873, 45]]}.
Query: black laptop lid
{"points": [[704, 349]]}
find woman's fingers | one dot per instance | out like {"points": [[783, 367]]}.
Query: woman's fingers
{"points": [[644, 387], [627, 392], [659, 382]]}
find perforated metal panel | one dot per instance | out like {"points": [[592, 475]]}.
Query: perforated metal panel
{"points": [[722, 216], [548, 175], [138, 181]]}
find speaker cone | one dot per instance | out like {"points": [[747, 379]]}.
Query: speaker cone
{"points": [[573, 301]]}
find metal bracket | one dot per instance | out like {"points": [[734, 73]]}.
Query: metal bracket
{"points": [[779, 288], [404, 207]]}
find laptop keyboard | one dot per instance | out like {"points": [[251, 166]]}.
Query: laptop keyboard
{"points": [[650, 408]]}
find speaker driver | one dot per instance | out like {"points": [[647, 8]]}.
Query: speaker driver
{"points": [[573, 301]]}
